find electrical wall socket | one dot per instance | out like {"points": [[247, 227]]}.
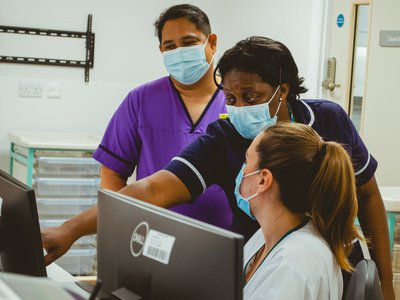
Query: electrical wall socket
{"points": [[30, 89], [54, 90]]}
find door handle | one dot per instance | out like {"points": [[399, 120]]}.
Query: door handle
{"points": [[329, 82]]}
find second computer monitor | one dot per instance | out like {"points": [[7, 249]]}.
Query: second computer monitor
{"points": [[21, 248], [158, 254]]}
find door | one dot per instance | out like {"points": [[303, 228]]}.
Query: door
{"points": [[346, 56]]}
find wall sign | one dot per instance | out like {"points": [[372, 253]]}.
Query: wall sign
{"points": [[340, 20], [389, 38]]}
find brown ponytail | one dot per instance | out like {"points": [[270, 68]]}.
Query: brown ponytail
{"points": [[333, 201], [314, 177]]}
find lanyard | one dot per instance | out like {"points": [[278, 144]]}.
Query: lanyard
{"points": [[304, 222], [292, 120]]}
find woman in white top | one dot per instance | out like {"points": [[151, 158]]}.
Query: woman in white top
{"points": [[302, 192]]}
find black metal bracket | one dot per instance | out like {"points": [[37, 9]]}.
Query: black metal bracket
{"points": [[88, 35]]}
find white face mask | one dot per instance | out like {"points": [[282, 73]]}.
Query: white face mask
{"points": [[250, 120], [187, 64]]}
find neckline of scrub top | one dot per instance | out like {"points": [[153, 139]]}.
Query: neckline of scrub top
{"points": [[303, 117], [194, 125], [301, 225]]}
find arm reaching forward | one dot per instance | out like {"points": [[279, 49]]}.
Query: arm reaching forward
{"points": [[162, 189]]}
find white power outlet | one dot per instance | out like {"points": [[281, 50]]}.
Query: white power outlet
{"points": [[54, 90], [30, 89]]}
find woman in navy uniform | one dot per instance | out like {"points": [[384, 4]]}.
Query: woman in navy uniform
{"points": [[262, 86]]}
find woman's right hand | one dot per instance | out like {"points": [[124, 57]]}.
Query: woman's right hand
{"points": [[57, 241]]}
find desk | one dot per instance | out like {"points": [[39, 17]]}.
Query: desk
{"points": [[59, 286], [58, 274], [66, 280]]}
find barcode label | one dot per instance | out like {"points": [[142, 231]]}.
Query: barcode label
{"points": [[158, 246], [155, 252]]}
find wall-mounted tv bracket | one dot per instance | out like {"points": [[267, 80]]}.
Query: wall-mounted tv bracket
{"points": [[88, 35]]}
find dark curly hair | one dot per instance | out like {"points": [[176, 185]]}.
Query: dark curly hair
{"points": [[190, 12], [269, 59]]}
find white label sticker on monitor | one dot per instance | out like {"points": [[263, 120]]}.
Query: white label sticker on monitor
{"points": [[158, 246], [1, 205]]}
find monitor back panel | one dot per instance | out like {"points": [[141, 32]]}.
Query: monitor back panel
{"points": [[20, 241], [204, 262]]}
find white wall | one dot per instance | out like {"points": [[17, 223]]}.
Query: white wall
{"points": [[126, 54], [382, 103]]}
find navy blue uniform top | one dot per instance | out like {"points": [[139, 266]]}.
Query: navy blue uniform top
{"points": [[217, 156]]}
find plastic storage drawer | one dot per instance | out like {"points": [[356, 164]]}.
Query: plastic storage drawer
{"points": [[78, 261], [85, 240], [397, 230], [66, 187], [396, 283], [63, 207], [66, 166], [396, 258]]}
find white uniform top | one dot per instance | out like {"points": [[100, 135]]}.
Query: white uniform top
{"points": [[300, 266]]}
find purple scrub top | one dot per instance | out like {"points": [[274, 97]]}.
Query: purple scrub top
{"points": [[150, 127]]}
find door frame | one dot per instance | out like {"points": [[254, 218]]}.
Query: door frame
{"points": [[325, 50]]}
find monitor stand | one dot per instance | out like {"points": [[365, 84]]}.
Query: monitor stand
{"points": [[125, 294], [120, 294], [88, 287], [94, 291]]}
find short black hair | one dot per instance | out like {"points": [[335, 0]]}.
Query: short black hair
{"points": [[190, 12], [269, 59]]}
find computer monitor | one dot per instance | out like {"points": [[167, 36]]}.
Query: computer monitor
{"points": [[21, 248], [153, 253]]}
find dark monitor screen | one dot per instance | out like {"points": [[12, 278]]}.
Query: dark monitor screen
{"points": [[147, 251], [21, 248]]}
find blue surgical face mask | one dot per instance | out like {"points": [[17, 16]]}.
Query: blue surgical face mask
{"points": [[187, 64], [250, 120], [244, 203]]}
